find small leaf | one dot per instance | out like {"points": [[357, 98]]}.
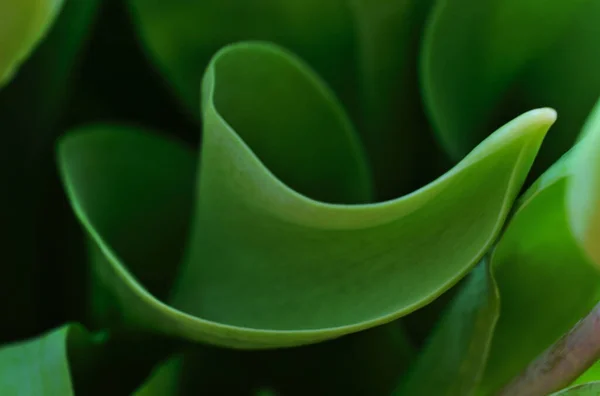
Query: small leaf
{"points": [[589, 389], [164, 380], [546, 280], [454, 358], [40, 366], [281, 174], [24, 23]]}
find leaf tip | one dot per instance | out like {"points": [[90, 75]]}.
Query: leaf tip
{"points": [[545, 115]]}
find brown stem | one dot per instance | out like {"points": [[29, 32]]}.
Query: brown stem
{"points": [[561, 363]]}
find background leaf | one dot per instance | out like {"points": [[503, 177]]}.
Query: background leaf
{"points": [[24, 23], [183, 36], [473, 60], [454, 358], [392, 123], [40, 366]]}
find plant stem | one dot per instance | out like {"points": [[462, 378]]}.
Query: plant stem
{"points": [[561, 363]]}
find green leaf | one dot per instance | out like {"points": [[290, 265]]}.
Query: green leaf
{"points": [[589, 389], [40, 366], [24, 24], [583, 198], [547, 283], [454, 358], [474, 51], [281, 173], [591, 375]]}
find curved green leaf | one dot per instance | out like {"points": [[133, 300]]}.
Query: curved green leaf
{"points": [[475, 50], [274, 143], [588, 389], [455, 356], [23, 24], [546, 281]]}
